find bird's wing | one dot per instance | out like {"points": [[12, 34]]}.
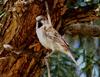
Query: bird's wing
{"points": [[51, 33]]}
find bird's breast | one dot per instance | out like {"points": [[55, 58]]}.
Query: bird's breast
{"points": [[42, 37]]}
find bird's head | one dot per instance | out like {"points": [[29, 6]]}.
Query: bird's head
{"points": [[41, 22]]}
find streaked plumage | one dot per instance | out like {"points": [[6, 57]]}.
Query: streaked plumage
{"points": [[50, 38]]}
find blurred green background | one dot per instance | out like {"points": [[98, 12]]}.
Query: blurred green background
{"points": [[85, 49]]}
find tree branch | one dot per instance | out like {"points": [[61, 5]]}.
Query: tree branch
{"points": [[76, 15], [83, 29]]}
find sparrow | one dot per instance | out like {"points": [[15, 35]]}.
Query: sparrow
{"points": [[50, 38]]}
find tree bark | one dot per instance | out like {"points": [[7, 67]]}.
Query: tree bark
{"points": [[83, 29]]}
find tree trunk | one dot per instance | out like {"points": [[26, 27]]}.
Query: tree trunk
{"points": [[26, 58]]}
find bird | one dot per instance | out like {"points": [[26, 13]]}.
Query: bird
{"points": [[50, 38]]}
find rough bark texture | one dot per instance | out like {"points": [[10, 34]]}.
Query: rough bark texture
{"points": [[18, 30], [83, 29]]}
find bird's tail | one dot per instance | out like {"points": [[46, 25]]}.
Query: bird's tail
{"points": [[71, 56]]}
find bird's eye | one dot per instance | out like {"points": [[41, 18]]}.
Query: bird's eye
{"points": [[39, 24]]}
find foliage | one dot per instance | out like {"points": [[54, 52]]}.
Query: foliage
{"points": [[86, 55], [85, 49]]}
